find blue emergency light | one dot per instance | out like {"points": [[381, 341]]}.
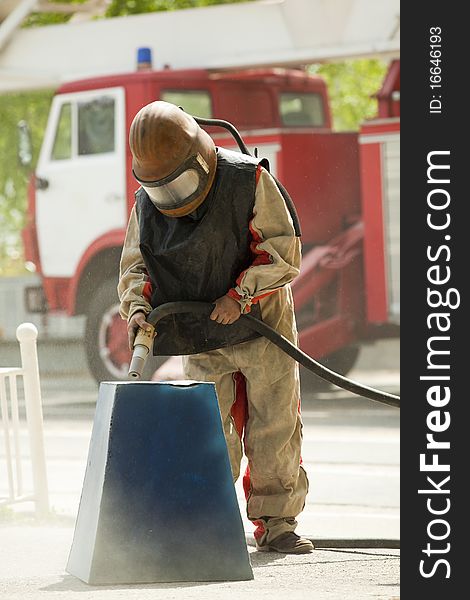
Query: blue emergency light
{"points": [[144, 58]]}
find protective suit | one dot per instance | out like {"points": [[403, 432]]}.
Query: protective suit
{"points": [[257, 384]]}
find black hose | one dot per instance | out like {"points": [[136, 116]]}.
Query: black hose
{"points": [[226, 125], [306, 361], [244, 149]]}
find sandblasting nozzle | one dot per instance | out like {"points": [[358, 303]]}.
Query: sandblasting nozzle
{"points": [[142, 346]]}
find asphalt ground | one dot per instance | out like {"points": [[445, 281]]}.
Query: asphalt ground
{"points": [[32, 561], [351, 453]]}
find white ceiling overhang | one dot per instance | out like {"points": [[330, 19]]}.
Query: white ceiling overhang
{"points": [[263, 33]]}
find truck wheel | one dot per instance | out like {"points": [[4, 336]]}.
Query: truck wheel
{"points": [[106, 347], [342, 361]]}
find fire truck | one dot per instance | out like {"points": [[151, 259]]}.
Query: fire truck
{"points": [[344, 186]]}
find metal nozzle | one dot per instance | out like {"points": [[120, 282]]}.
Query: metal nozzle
{"points": [[138, 361], [143, 343]]}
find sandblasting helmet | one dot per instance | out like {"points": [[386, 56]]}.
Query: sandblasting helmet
{"points": [[174, 160]]}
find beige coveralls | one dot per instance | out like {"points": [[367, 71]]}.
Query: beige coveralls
{"points": [[276, 485]]}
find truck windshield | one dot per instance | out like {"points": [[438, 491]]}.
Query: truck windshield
{"points": [[194, 102], [301, 109]]}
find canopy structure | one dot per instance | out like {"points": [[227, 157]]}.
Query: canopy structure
{"points": [[242, 35]]}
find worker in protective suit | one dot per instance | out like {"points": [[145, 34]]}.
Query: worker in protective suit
{"points": [[210, 225]]}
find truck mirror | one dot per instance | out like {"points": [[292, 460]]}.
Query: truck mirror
{"points": [[25, 145]]}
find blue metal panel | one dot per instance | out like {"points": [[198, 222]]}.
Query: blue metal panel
{"points": [[168, 509]]}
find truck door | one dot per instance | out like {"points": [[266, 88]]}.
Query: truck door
{"points": [[80, 177]]}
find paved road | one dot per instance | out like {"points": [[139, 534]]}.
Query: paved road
{"points": [[351, 452], [32, 564]]}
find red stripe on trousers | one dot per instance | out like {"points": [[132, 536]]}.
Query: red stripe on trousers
{"points": [[239, 413]]}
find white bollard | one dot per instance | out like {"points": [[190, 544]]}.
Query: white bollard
{"points": [[27, 335]]}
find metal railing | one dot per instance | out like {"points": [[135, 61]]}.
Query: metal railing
{"points": [[11, 424]]}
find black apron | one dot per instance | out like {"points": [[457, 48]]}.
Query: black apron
{"points": [[200, 256]]}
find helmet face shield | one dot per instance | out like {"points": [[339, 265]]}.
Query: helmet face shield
{"points": [[173, 159], [180, 188]]}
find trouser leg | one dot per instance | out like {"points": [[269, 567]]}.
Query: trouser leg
{"points": [[275, 483], [278, 484]]}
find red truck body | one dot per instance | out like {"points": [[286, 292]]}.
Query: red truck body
{"points": [[335, 181]]}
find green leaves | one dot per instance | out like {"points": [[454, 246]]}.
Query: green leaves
{"points": [[36, 19], [119, 8], [133, 7], [34, 108], [351, 85]]}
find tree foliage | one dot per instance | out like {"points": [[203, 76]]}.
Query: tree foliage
{"points": [[133, 7], [119, 8], [351, 85], [36, 19], [32, 107]]}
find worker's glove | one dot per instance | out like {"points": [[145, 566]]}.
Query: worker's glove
{"points": [[226, 311], [137, 320]]}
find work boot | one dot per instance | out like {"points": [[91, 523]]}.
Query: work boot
{"points": [[287, 543]]}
